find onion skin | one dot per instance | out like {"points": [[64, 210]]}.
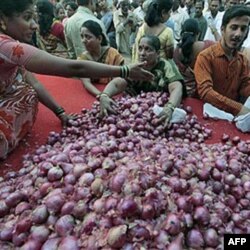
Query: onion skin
{"points": [[126, 183], [69, 243], [65, 224], [195, 239], [177, 243], [4, 209], [211, 238], [51, 244], [117, 236], [40, 214], [173, 225]]}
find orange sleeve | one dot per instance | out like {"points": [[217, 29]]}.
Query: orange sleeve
{"points": [[205, 86], [245, 79]]}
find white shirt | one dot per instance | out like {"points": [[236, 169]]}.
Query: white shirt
{"points": [[178, 17], [216, 22]]}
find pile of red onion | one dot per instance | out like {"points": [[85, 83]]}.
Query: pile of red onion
{"points": [[125, 183]]}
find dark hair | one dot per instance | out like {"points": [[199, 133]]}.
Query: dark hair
{"points": [[72, 5], [190, 29], [199, 1], [95, 29], [83, 2], [45, 10], [234, 11], [154, 12], [154, 41], [9, 7], [57, 8]]}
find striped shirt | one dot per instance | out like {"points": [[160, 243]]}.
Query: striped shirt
{"points": [[220, 81]]}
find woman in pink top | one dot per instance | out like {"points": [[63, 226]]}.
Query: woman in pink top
{"points": [[20, 91]]}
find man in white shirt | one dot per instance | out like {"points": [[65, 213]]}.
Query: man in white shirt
{"points": [[84, 12], [214, 20], [178, 16]]}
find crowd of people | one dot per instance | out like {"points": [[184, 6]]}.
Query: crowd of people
{"points": [[185, 47]]}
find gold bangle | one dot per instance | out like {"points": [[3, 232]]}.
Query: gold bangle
{"points": [[171, 105], [104, 94]]}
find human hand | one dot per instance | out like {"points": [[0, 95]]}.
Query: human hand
{"points": [[244, 110], [165, 116], [137, 72], [66, 117], [107, 105]]}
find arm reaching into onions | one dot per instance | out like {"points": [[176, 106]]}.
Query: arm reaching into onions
{"points": [[20, 91], [166, 78]]}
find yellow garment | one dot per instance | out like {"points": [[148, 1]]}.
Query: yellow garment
{"points": [[166, 38], [109, 56]]}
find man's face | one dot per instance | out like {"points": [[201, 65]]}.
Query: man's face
{"points": [[198, 9], [189, 3], [124, 7], [214, 7], [235, 32], [230, 3]]}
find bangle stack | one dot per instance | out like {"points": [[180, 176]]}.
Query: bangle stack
{"points": [[98, 97], [59, 111], [124, 71], [170, 105]]}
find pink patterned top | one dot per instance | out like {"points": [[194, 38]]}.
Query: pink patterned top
{"points": [[13, 56]]}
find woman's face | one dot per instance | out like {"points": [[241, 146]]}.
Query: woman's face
{"points": [[61, 14], [21, 26], [91, 42], [69, 11], [147, 53], [165, 15]]}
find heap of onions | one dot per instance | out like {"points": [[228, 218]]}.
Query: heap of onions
{"points": [[125, 183]]}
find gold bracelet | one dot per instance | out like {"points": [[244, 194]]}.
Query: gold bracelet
{"points": [[104, 94], [170, 105]]}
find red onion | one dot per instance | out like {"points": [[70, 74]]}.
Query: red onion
{"points": [[86, 179], [80, 210], [14, 198], [79, 169], [177, 243], [68, 207], [31, 245], [54, 203], [139, 233], [148, 211], [108, 164], [23, 225], [117, 182], [55, 174], [89, 223], [201, 215], [19, 239], [51, 244], [39, 233], [65, 224], [40, 214], [173, 225], [117, 236], [195, 239], [3, 209], [211, 238], [69, 243], [128, 207], [20, 208], [97, 187]]}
